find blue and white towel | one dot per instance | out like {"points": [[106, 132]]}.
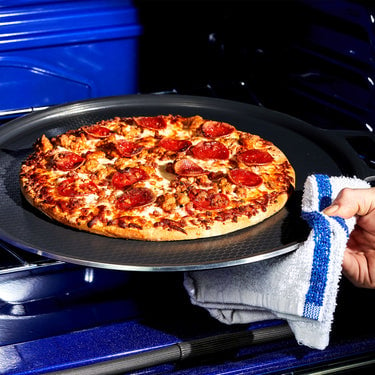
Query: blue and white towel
{"points": [[300, 287]]}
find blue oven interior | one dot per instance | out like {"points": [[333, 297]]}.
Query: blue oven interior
{"points": [[311, 59]]}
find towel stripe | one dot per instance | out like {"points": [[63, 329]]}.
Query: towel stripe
{"points": [[325, 197], [343, 224], [324, 191], [322, 239], [318, 279]]}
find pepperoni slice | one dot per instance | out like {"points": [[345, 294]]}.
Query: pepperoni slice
{"points": [[154, 123], [204, 200], [128, 177], [188, 168], [255, 157], [67, 188], [135, 197], [210, 150], [67, 161], [127, 148], [244, 177], [176, 145], [97, 131], [215, 129], [71, 187]]}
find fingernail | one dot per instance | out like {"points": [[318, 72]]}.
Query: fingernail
{"points": [[331, 209]]}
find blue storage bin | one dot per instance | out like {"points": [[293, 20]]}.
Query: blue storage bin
{"points": [[53, 52]]}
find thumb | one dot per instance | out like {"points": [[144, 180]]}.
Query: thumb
{"points": [[351, 202]]}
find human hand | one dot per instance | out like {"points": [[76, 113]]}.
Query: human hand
{"points": [[359, 257]]}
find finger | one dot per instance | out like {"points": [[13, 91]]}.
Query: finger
{"points": [[350, 264], [359, 268], [354, 269], [350, 267], [351, 202]]}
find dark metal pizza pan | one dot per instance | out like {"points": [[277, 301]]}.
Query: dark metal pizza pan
{"points": [[310, 150]]}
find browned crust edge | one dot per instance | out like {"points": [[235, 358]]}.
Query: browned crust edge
{"points": [[218, 228]]}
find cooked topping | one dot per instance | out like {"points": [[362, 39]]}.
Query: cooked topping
{"points": [[135, 197], [176, 145], [44, 144], [67, 161], [215, 129], [170, 225], [167, 202], [97, 131], [255, 157], [128, 177], [154, 123], [210, 150], [244, 177], [72, 187], [128, 149], [207, 200], [186, 167], [216, 176], [126, 222]]}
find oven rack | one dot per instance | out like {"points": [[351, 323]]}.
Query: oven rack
{"points": [[13, 259]]}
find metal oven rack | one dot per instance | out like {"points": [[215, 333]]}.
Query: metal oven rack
{"points": [[12, 259]]}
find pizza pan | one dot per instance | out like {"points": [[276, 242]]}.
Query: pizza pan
{"points": [[310, 150]]}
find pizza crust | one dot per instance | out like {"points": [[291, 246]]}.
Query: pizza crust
{"points": [[216, 229], [156, 234]]}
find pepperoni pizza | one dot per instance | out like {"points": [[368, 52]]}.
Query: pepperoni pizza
{"points": [[157, 178]]}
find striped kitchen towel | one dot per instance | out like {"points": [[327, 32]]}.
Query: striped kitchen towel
{"points": [[300, 287]]}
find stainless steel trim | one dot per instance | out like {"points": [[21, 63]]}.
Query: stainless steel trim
{"points": [[20, 112], [343, 368]]}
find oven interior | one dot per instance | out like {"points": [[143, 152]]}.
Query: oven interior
{"points": [[312, 60]]}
